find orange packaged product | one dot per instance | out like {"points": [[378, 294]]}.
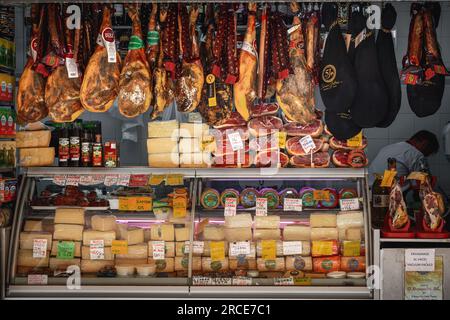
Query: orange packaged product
{"points": [[323, 248], [326, 264], [353, 264]]}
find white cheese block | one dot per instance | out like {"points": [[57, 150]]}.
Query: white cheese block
{"points": [[147, 235], [195, 160], [68, 232], [190, 145], [214, 233], [267, 222], [33, 225], [162, 232], [351, 234], [238, 234], [162, 145], [76, 254], [351, 219], [69, 216], [106, 236], [182, 234], [299, 263], [169, 249], [242, 220], [182, 263], [208, 265], [321, 220], [86, 253], [37, 157], [291, 233], [26, 239], [193, 130], [137, 251], [270, 265], [164, 265], [25, 259], [163, 129], [164, 160], [324, 234], [93, 266], [63, 264], [103, 223], [306, 248], [242, 264], [266, 234], [33, 139], [132, 235]]}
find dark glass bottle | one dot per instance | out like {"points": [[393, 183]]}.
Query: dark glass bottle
{"points": [[97, 147], [63, 146], [86, 147], [75, 148]]}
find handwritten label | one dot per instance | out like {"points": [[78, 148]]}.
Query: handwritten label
{"points": [[98, 179], [388, 178], [37, 279], [355, 141], [422, 260], [73, 180], [39, 248], [235, 141], [261, 206], [197, 247], [217, 250], [307, 144], [159, 249], [288, 281], [66, 250], [349, 204], [201, 281], [292, 248], [86, 180], [222, 281], [110, 180], [269, 249], [97, 249], [230, 207], [119, 247], [123, 180], [59, 180], [302, 281], [242, 281], [291, 204], [124, 204], [142, 203], [239, 248]]}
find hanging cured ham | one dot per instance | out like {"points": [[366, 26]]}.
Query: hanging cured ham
{"points": [[388, 64], [101, 80], [135, 92], [31, 105], [190, 83], [245, 89], [62, 90], [433, 205]]}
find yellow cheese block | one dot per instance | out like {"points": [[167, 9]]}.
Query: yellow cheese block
{"points": [[132, 235], [299, 263], [266, 234], [165, 265], [162, 145], [63, 264], [195, 160], [93, 266], [182, 263], [306, 248], [320, 220], [242, 264], [207, 249], [292, 233], [193, 130], [68, 232], [351, 219], [169, 249], [26, 239], [214, 266], [25, 259], [86, 253], [324, 234], [106, 236], [37, 157], [190, 145], [214, 233], [103, 223], [182, 234], [164, 160], [270, 265], [77, 252], [69, 216], [147, 235], [33, 225], [267, 222], [238, 234], [163, 129], [33, 139], [242, 220], [137, 251], [351, 234], [162, 232]]}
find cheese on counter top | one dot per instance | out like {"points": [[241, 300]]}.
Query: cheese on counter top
{"points": [[190, 145], [350, 219], [271, 265], [132, 235], [166, 265], [69, 216], [93, 266], [26, 239], [238, 234], [25, 259], [242, 220], [182, 263], [163, 129], [242, 264], [299, 263], [106, 236], [33, 225], [182, 234], [68, 232], [137, 251], [293, 232], [36, 157], [267, 222], [162, 145], [195, 160], [208, 265], [193, 130], [214, 233], [164, 160], [103, 223], [324, 234], [320, 220], [266, 234], [162, 232], [63, 264]]}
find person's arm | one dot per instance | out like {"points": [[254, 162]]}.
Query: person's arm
{"points": [[421, 164]]}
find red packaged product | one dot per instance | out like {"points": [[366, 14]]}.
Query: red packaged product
{"points": [[326, 264], [353, 264]]}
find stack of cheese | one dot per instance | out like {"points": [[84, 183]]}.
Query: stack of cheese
{"points": [[299, 233], [190, 146], [102, 228], [163, 232], [162, 144], [69, 226], [214, 236], [26, 260], [351, 234], [268, 228], [324, 242], [34, 148], [137, 247]]}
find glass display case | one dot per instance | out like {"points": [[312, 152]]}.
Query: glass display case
{"points": [[141, 232]]}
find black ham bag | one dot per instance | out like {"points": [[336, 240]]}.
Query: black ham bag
{"points": [[341, 125], [388, 65], [425, 98]]}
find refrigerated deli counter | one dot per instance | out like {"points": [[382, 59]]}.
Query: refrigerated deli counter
{"points": [[190, 233]]}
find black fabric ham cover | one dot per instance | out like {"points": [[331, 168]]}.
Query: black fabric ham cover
{"points": [[337, 77], [388, 64], [371, 102], [341, 125]]}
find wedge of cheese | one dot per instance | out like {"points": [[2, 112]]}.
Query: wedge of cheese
{"points": [[182, 234], [63, 264], [86, 253], [132, 235], [270, 265], [291, 233], [324, 234], [266, 234], [33, 225], [351, 219], [195, 160], [164, 160], [93, 266], [162, 232], [242, 264], [321, 220], [193, 130], [163, 129], [182, 263], [68, 232], [137, 251], [299, 263], [169, 248], [208, 265], [238, 234], [214, 233], [106, 236], [267, 222], [25, 259], [164, 265], [103, 223], [242, 220], [77, 252], [33, 139], [26, 239], [69, 216], [37, 157]]}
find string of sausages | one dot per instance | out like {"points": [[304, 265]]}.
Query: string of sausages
{"points": [[170, 43]]}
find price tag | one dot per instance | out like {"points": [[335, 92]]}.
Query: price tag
{"points": [[123, 180], [355, 141], [201, 281], [291, 204], [321, 195], [292, 248], [179, 207], [261, 206], [217, 250], [98, 179], [281, 137], [308, 144], [269, 249], [422, 260], [202, 224], [351, 248], [349, 204], [421, 176], [208, 144], [73, 180], [72, 68], [388, 178], [159, 249], [288, 281], [221, 281], [37, 279], [66, 250], [157, 179], [242, 281], [119, 247], [110, 180], [39, 248], [239, 248], [174, 179], [86, 180], [197, 247], [235, 141], [324, 248], [97, 249], [302, 281], [195, 117], [138, 180], [124, 204], [59, 180], [143, 204], [230, 207]]}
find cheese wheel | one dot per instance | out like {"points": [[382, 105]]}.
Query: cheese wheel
{"points": [[271, 265], [238, 234], [77, 252], [182, 263], [182, 234], [208, 265], [132, 235], [273, 199], [324, 234], [326, 264], [266, 234], [162, 232], [299, 263], [68, 232], [296, 233], [37, 157], [163, 265], [169, 249], [306, 248], [242, 220], [137, 251], [26, 239], [25, 259], [162, 145], [320, 220], [351, 219], [69, 216], [214, 233], [106, 236], [164, 160], [229, 193], [63, 264], [353, 264], [33, 139], [86, 253], [248, 197], [267, 222], [242, 263], [210, 198], [93, 266], [163, 129], [103, 223], [33, 225]]}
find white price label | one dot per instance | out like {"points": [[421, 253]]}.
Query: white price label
{"points": [[59, 180], [420, 260], [39, 248], [230, 207], [159, 249], [235, 141], [123, 180], [73, 180], [110, 180], [201, 281], [242, 281], [292, 248], [97, 249], [219, 281], [261, 206], [288, 281], [197, 247], [349, 204], [98, 179], [109, 43], [72, 68], [86, 180], [308, 144], [39, 279], [239, 248], [291, 204]]}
